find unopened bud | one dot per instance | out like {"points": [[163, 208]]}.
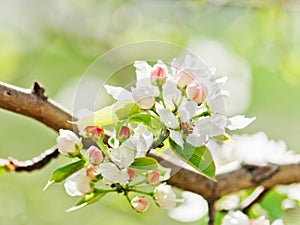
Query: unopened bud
{"points": [[195, 92], [124, 133], [158, 76], [153, 177], [140, 204], [90, 173], [131, 173], [94, 132], [184, 78], [95, 156]]}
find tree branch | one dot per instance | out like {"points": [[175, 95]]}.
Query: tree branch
{"points": [[37, 106]]}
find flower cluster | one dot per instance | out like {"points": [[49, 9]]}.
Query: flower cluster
{"points": [[180, 107], [237, 217]]}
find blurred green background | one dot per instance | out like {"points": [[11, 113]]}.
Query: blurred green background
{"points": [[54, 42]]}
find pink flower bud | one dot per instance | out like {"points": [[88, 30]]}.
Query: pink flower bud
{"points": [[90, 173], [153, 177], [184, 78], [195, 92], [124, 133], [140, 204], [131, 173], [94, 132], [95, 156], [158, 76]]}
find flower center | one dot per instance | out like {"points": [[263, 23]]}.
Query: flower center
{"points": [[187, 127]]}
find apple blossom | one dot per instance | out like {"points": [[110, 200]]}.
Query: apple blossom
{"points": [[196, 92], [78, 184], [91, 173], [184, 78], [124, 133], [94, 155], [235, 218], [94, 132], [131, 173], [144, 97], [140, 204], [112, 174], [153, 177], [164, 196], [68, 142], [158, 76]]}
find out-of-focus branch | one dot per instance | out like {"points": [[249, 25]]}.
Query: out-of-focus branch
{"points": [[35, 105]]}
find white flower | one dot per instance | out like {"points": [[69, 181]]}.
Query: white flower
{"points": [[235, 218], [292, 191], [277, 222], [111, 174], [140, 141], [260, 221], [239, 122], [256, 149], [67, 141], [122, 156], [144, 96], [165, 197], [78, 184], [193, 208]]}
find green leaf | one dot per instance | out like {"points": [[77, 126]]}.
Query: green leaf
{"points": [[198, 157], [153, 123], [144, 163], [88, 199], [124, 110], [102, 117], [62, 173]]}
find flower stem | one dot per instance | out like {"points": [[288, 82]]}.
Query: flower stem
{"points": [[181, 98], [161, 96]]}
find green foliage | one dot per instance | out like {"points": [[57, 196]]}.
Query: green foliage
{"points": [[198, 157], [144, 163], [64, 172], [126, 109], [89, 198]]}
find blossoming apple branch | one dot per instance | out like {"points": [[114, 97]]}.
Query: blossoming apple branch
{"points": [[189, 120]]}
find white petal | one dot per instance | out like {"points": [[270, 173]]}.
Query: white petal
{"points": [[118, 93], [177, 137], [193, 208], [143, 70], [278, 222], [221, 81], [197, 141], [239, 122], [168, 118], [235, 218], [187, 110]]}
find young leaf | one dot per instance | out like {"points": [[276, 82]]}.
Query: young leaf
{"points": [[88, 199], [198, 157], [125, 109], [150, 121], [102, 117], [62, 173], [144, 163]]}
